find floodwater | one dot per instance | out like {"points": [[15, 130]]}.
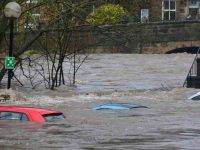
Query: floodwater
{"points": [[171, 121]]}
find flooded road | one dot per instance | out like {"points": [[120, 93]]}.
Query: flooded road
{"points": [[171, 121]]}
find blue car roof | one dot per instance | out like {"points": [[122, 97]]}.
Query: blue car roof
{"points": [[117, 106]]}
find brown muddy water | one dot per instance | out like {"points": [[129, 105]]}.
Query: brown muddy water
{"points": [[171, 121]]}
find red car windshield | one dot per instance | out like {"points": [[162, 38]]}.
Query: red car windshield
{"points": [[53, 117]]}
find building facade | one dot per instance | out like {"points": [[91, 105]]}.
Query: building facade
{"points": [[165, 10], [141, 10]]}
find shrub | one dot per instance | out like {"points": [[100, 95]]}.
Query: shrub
{"points": [[106, 15]]}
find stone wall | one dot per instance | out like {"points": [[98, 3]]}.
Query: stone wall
{"points": [[165, 47], [131, 38], [155, 37], [137, 38]]}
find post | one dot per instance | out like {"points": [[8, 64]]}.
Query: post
{"points": [[12, 11], [198, 67], [10, 72], [74, 73]]}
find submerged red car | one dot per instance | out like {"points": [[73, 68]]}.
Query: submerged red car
{"points": [[31, 114]]}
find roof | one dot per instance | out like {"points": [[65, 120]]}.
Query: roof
{"points": [[195, 96], [23, 109]]}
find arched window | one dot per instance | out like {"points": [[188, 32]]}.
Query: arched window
{"points": [[169, 10]]}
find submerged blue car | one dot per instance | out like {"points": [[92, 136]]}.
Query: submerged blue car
{"points": [[117, 106]]}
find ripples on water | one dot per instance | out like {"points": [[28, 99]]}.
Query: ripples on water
{"points": [[172, 122]]}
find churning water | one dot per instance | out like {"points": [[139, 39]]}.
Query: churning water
{"points": [[171, 121]]}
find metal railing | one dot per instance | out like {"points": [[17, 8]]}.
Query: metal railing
{"points": [[193, 68]]}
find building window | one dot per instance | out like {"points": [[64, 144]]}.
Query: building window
{"points": [[193, 9], [32, 1], [193, 3], [144, 15], [169, 10]]}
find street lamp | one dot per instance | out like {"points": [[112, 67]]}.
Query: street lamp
{"points": [[12, 11]]}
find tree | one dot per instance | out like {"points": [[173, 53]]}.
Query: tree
{"points": [[62, 41], [106, 14], [58, 40], [28, 37]]}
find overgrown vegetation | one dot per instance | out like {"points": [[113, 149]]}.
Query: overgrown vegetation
{"points": [[108, 14]]}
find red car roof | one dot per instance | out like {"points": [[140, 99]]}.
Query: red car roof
{"points": [[23, 109], [33, 114]]}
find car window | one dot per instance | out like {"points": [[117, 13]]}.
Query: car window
{"points": [[13, 116], [196, 97], [24, 117], [53, 117]]}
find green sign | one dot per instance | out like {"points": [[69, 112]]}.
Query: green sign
{"points": [[9, 62]]}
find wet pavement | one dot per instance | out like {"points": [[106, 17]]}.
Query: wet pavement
{"points": [[171, 121]]}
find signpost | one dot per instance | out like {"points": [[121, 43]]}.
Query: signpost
{"points": [[9, 62]]}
